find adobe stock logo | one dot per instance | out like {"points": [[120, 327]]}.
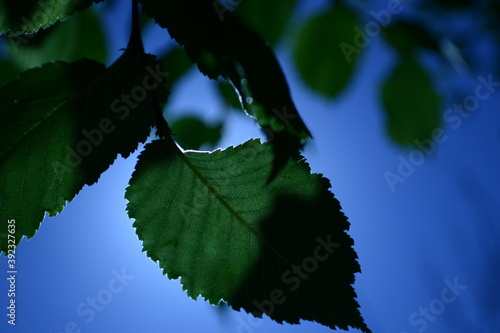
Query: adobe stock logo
{"points": [[372, 29], [89, 309], [422, 318]]}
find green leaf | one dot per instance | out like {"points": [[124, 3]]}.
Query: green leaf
{"points": [[214, 220], [82, 36], [192, 133], [269, 18], [62, 125], [410, 102], [177, 63], [28, 16], [222, 45], [327, 49]]}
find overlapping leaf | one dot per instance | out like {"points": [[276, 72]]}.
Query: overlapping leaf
{"points": [[279, 248], [27, 16], [191, 132], [222, 45], [82, 36], [62, 125]]}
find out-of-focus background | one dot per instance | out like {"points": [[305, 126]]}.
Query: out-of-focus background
{"points": [[402, 100]]}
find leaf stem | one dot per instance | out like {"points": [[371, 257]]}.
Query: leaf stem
{"points": [[135, 41], [136, 46]]}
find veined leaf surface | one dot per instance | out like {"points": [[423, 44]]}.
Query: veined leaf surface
{"points": [[279, 248]]}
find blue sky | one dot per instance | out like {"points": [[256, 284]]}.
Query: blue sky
{"points": [[427, 246]]}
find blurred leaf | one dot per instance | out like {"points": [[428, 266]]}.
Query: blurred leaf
{"points": [[228, 94], [221, 45], [212, 219], [406, 36], [8, 71], [177, 63], [411, 103], [27, 16], [63, 124], [326, 50], [269, 18], [192, 133], [82, 36]]}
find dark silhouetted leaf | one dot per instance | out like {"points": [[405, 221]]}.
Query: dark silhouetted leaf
{"points": [[222, 45], [27, 16], [327, 50], [62, 125], [8, 71], [411, 103], [279, 248], [82, 36], [192, 133]]}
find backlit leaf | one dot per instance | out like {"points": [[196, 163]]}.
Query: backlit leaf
{"points": [[82, 36], [28, 16], [62, 125], [279, 248]]}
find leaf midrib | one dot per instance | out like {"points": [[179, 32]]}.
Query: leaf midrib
{"points": [[219, 197]]}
